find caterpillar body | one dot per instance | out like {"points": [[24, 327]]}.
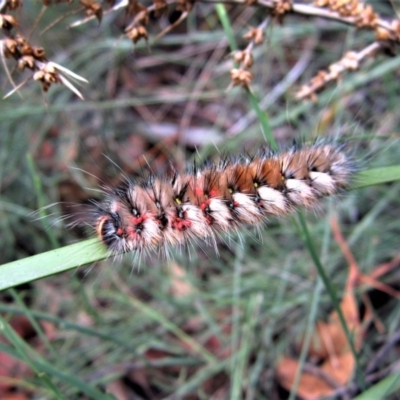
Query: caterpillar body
{"points": [[159, 211]]}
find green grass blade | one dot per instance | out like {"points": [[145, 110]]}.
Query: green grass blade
{"points": [[68, 325], [226, 24], [263, 118], [28, 313], [37, 184], [170, 326], [25, 353], [376, 176], [55, 261], [328, 285], [50, 263], [382, 389], [243, 353], [44, 370]]}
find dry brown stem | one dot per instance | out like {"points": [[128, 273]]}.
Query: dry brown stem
{"points": [[350, 62]]}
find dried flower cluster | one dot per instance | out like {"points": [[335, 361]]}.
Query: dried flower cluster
{"points": [[353, 12], [350, 62], [92, 8], [282, 7], [241, 75], [140, 15], [29, 57], [361, 16]]}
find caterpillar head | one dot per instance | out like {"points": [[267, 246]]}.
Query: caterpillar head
{"points": [[124, 225]]}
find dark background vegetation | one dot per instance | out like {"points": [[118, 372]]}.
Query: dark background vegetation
{"points": [[133, 329]]}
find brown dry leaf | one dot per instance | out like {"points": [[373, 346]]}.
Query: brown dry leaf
{"points": [[340, 368], [329, 337], [313, 387], [310, 387], [118, 390], [329, 345], [180, 286]]}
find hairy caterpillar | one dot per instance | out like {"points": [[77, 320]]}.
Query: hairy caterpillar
{"points": [[156, 212]]}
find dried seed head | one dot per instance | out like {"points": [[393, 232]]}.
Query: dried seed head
{"points": [[395, 25], [238, 56], [255, 34], [241, 77], [243, 56], [382, 34], [92, 8], [305, 92], [321, 3], [136, 33], [350, 61], [26, 49], [282, 7], [26, 62], [247, 59], [39, 53], [47, 75], [319, 78], [334, 71], [13, 4], [10, 47], [21, 41], [366, 17], [38, 75], [7, 22]]}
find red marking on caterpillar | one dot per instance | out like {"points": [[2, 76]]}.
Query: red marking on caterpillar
{"points": [[157, 212]]}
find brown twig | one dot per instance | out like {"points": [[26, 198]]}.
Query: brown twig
{"points": [[354, 271], [350, 62]]}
